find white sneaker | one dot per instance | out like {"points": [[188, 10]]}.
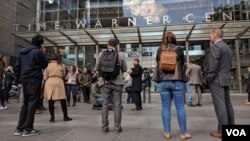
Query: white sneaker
{"points": [[3, 107]]}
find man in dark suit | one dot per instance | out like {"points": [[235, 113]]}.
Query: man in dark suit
{"points": [[218, 77], [136, 88]]}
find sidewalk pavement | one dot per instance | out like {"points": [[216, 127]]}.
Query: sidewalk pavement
{"points": [[143, 125]]}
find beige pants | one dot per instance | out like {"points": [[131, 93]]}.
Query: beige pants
{"points": [[196, 90]]}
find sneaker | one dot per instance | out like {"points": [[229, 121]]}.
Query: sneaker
{"points": [[30, 133], [3, 107], [18, 132]]}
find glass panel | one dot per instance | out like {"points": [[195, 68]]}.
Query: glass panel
{"points": [[68, 55]]}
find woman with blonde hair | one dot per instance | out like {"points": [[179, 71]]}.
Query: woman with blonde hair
{"points": [[54, 89], [171, 83]]}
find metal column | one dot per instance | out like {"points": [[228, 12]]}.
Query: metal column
{"points": [[237, 46], [140, 50], [187, 50], [249, 45], [77, 55], [38, 5]]}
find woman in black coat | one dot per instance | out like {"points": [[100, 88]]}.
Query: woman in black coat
{"points": [[248, 87]]}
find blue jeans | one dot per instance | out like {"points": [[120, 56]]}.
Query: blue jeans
{"points": [[177, 90], [71, 88], [189, 91]]}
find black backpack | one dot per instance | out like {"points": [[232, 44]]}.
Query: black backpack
{"points": [[110, 66]]}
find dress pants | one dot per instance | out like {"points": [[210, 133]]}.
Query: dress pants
{"points": [[86, 93], [196, 94], [32, 94], [222, 105], [109, 91], [137, 100]]}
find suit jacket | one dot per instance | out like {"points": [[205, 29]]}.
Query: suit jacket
{"points": [[136, 79], [119, 79], [194, 74], [219, 64]]}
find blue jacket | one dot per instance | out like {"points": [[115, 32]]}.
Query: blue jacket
{"points": [[31, 63]]}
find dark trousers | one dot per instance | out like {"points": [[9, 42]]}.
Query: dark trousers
{"points": [[137, 100], [63, 105], [71, 88], [86, 93], [2, 97], [40, 104], [248, 96], [130, 99], [222, 105], [32, 94], [111, 93], [7, 91]]}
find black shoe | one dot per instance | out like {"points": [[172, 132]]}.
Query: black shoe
{"points": [[67, 119], [198, 105], [30, 133], [74, 104], [118, 131], [105, 130], [52, 120], [18, 132]]}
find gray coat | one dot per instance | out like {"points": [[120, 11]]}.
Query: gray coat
{"points": [[194, 74], [219, 64], [119, 80]]}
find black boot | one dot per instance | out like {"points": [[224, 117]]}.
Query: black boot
{"points": [[65, 111], [51, 111]]}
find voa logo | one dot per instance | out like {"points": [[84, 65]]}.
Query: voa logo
{"points": [[236, 132]]}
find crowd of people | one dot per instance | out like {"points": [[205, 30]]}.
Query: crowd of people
{"points": [[103, 85]]}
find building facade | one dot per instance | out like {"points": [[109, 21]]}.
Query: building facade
{"points": [[80, 29]]}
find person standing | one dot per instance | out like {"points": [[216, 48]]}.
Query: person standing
{"points": [[128, 84], [218, 77], [170, 76], [136, 88], [146, 85], [71, 85], [248, 87], [28, 69], [9, 79], [111, 65], [2, 88], [85, 81], [189, 88], [195, 80], [54, 86]]}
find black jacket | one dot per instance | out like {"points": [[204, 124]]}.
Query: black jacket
{"points": [[248, 84], [31, 63], [9, 78], [136, 79]]}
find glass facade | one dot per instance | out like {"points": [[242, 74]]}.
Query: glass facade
{"points": [[108, 13], [79, 29]]}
